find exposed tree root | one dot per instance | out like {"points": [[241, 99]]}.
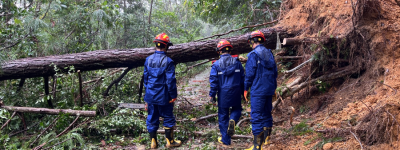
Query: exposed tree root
{"points": [[290, 90]]}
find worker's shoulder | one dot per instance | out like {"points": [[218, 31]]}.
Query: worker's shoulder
{"points": [[169, 59]]}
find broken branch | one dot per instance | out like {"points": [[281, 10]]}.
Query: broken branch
{"points": [[52, 123], [5, 124], [299, 66], [51, 111], [116, 81], [252, 26], [65, 130]]}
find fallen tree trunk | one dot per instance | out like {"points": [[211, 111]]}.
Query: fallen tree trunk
{"points": [[103, 59], [51, 111]]}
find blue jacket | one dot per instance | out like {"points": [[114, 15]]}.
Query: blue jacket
{"points": [[261, 72], [159, 79], [227, 78]]}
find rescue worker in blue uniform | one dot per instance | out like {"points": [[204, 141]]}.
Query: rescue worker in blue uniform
{"points": [[227, 79], [161, 91], [261, 74]]}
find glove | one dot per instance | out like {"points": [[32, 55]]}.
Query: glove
{"points": [[145, 106], [245, 96], [213, 100], [242, 59], [173, 100]]}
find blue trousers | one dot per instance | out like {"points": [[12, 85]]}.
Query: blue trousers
{"points": [[157, 111], [223, 120], [261, 107]]}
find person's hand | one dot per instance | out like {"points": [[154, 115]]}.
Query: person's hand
{"points": [[145, 106], [245, 96], [274, 97], [213, 100], [242, 59], [173, 100]]}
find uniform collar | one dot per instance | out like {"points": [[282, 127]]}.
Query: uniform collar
{"points": [[259, 46], [160, 52], [225, 55]]}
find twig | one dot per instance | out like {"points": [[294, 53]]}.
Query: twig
{"points": [[241, 121], [252, 26], [12, 134], [357, 139], [395, 91], [289, 57], [205, 117], [65, 130], [195, 65], [141, 88], [291, 115], [299, 66], [151, 7], [21, 115], [80, 87], [54, 87], [44, 131], [47, 10], [58, 143], [187, 100], [8, 121]]}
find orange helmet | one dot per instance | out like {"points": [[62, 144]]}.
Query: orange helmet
{"points": [[224, 44], [162, 39], [256, 36]]}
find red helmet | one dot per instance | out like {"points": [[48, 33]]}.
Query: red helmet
{"points": [[224, 44], [163, 39], [256, 36]]}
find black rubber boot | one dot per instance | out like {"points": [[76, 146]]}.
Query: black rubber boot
{"points": [[153, 137], [257, 142], [231, 127], [169, 135], [267, 134]]}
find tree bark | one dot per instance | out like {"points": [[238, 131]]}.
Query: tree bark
{"points": [[299, 41], [51, 111], [103, 59], [294, 87], [46, 90]]}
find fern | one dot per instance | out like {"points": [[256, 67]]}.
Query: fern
{"points": [[34, 23], [48, 137]]}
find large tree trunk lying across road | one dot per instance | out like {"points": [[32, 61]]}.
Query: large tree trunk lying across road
{"points": [[51, 111], [103, 59]]}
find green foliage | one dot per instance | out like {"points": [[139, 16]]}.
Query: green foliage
{"points": [[320, 144], [303, 109], [300, 129], [322, 86], [125, 119], [55, 27]]}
